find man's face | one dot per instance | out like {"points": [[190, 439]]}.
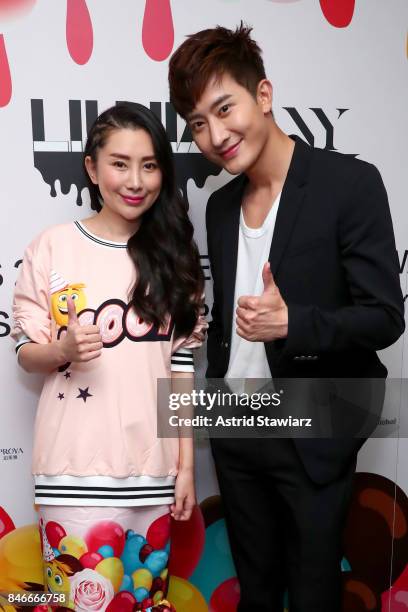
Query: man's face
{"points": [[230, 126]]}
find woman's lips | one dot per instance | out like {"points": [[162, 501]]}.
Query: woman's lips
{"points": [[231, 151], [133, 200]]}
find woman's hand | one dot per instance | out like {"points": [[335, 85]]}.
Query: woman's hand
{"points": [[184, 494], [80, 343]]}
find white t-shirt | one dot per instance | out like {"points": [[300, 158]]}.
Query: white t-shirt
{"points": [[248, 359]]}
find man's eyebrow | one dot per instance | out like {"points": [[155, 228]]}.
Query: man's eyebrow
{"points": [[216, 103]]}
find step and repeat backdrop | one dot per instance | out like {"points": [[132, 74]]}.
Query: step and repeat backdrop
{"points": [[339, 71]]}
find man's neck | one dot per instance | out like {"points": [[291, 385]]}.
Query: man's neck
{"points": [[270, 170], [267, 177]]}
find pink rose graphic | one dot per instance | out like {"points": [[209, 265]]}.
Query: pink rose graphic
{"points": [[90, 591]]}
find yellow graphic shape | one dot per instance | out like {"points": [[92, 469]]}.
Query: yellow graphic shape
{"points": [[59, 307], [20, 558], [185, 597], [57, 577], [111, 568]]}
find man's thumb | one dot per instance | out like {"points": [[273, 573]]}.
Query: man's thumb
{"points": [[267, 277], [72, 315]]}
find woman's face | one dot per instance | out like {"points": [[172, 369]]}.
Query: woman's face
{"points": [[127, 173]]}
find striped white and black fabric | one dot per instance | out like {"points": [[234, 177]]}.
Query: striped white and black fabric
{"points": [[23, 339], [182, 361], [67, 490]]}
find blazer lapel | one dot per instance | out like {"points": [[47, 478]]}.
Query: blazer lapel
{"points": [[230, 249], [291, 199]]}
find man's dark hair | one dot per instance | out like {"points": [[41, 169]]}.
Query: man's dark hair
{"points": [[210, 53]]}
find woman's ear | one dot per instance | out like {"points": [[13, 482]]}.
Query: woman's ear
{"points": [[90, 166]]}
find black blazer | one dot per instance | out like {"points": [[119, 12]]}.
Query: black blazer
{"points": [[334, 260]]}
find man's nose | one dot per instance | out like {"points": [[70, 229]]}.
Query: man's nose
{"points": [[218, 133]]}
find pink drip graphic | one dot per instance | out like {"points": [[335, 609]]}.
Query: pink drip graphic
{"points": [[158, 30], [8, 9], [79, 31], [5, 76]]}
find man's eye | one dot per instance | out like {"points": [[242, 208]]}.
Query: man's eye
{"points": [[225, 108], [197, 125]]}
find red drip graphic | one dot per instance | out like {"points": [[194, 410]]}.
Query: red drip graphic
{"points": [[338, 14], [5, 76], [79, 31], [158, 31], [6, 524]]}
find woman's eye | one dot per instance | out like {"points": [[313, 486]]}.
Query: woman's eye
{"points": [[58, 580], [150, 166], [225, 108], [119, 164], [75, 296]]}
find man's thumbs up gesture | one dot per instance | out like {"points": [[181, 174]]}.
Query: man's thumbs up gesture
{"points": [[80, 343], [263, 318]]}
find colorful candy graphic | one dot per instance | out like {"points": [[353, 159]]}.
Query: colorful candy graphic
{"points": [[226, 597], [185, 596], [187, 544], [106, 533]]}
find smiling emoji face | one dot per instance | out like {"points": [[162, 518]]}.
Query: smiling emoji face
{"points": [[56, 579], [59, 305]]}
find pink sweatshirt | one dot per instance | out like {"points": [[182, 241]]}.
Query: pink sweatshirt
{"points": [[95, 439]]}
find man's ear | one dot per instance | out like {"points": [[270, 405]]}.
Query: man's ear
{"points": [[91, 169], [264, 95]]}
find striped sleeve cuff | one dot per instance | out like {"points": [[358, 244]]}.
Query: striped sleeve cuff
{"points": [[182, 361], [23, 339]]}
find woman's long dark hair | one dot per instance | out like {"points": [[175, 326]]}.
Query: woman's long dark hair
{"points": [[169, 276]]}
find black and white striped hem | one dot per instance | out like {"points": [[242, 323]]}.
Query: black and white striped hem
{"points": [[22, 340], [182, 361], [103, 490]]}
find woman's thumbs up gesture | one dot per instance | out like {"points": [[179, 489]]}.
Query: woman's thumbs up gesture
{"points": [[81, 342]]}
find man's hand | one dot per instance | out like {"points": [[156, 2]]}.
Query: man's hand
{"points": [[263, 318], [80, 343]]}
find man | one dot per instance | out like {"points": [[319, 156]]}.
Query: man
{"points": [[306, 285]]}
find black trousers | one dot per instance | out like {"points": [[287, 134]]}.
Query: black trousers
{"points": [[285, 531]]}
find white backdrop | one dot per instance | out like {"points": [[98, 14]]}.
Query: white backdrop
{"points": [[347, 84]]}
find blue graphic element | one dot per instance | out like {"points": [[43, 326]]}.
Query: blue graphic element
{"points": [[106, 551], [156, 562], [215, 565], [141, 593], [127, 584], [130, 556], [345, 565]]}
